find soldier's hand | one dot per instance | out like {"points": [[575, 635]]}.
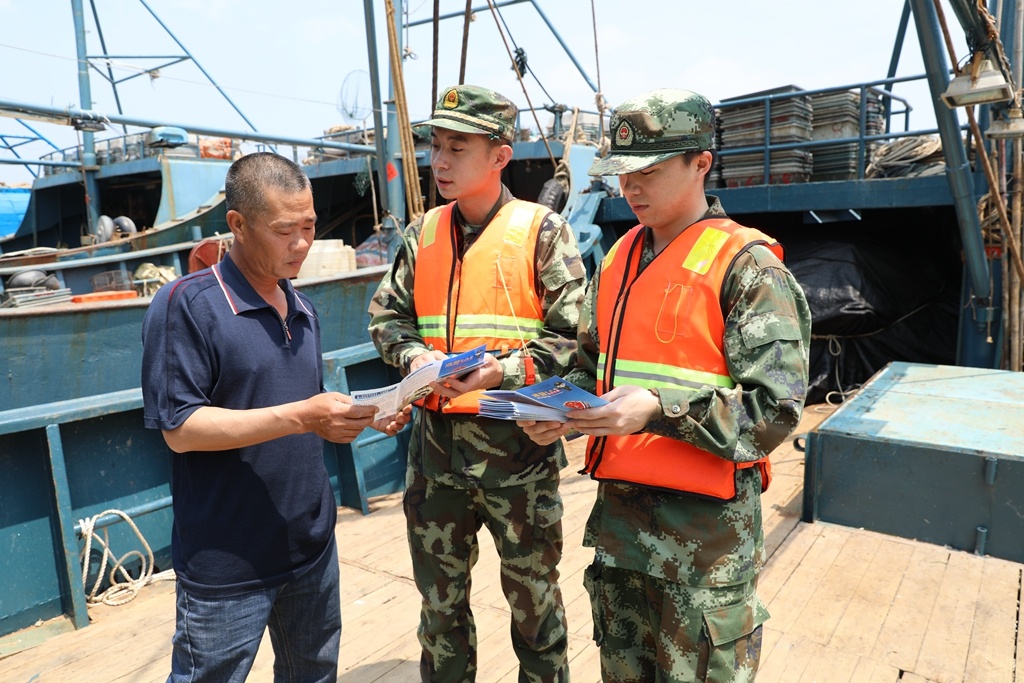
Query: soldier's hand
{"points": [[629, 409], [424, 358], [544, 433], [334, 417], [392, 425], [487, 376]]}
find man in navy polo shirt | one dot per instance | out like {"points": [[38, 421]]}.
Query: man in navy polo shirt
{"points": [[232, 375]]}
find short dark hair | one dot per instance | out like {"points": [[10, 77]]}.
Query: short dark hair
{"points": [[249, 176]]}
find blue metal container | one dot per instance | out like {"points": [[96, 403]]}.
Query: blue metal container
{"points": [[928, 452]]}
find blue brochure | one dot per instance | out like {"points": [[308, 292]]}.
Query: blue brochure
{"points": [[416, 384], [548, 401]]}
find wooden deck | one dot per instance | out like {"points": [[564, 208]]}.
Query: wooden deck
{"points": [[847, 606]]}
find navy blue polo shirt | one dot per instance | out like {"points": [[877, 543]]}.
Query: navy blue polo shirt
{"points": [[251, 517]]}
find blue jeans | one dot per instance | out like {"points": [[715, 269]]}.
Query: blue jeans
{"points": [[216, 639]]}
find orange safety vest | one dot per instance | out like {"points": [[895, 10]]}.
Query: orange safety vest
{"points": [[499, 307], [665, 328]]}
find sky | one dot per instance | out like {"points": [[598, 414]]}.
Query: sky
{"points": [[300, 67]]}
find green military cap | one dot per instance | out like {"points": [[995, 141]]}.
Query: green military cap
{"points": [[656, 126], [472, 109]]}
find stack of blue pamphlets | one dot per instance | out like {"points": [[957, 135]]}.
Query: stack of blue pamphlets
{"points": [[548, 401]]}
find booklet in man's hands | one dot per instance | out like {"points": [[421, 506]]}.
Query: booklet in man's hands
{"points": [[416, 384], [548, 401]]}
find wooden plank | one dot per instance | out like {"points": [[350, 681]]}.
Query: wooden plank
{"points": [[793, 597], [892, 616], [899, 640], [1020, 638], [830, 666], [873, 671], [769, 639], [943, 656], [788, 660], [828, 603], [910, 677], [870, 604], [990, 657], [780, 568]]}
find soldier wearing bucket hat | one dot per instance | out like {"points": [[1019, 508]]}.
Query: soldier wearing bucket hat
{"points": [[517, 290], [697, 335]]}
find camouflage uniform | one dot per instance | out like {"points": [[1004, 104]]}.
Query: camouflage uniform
{"points": [[672, 583], [465, 472]]}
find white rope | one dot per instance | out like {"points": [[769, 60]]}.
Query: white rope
{"points": [[118, 592], [508, 298]]}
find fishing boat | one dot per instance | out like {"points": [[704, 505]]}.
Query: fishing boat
{"points": [[882, 231]]}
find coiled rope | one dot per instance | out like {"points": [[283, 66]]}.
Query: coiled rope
{"points": [[120, 591]]}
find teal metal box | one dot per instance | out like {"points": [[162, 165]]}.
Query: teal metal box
{"points": [[928, 452]]}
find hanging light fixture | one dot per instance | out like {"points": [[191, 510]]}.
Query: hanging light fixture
{"points": [[982, 83], [1010, 126]]}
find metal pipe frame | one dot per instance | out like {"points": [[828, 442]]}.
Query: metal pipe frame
{"points": [[68, 115], [958, 170]]}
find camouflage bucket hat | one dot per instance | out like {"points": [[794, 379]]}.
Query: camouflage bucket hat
{"points": [[656, 126], [471, 109]]}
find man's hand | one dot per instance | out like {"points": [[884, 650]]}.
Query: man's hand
{"points": [[544, 433], [392, 425], [487, 376], [334, 417], [629, 410]]}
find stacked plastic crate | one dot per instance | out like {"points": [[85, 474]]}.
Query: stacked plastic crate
{"points": [[837, 116], [714, 178], [743, 126]]}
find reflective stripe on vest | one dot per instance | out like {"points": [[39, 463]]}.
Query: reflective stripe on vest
{"points": [[499, 306], [664, 328], [659, 375]]}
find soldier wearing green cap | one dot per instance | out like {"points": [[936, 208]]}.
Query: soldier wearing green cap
{"points": [[697, 335], [486, 268]]}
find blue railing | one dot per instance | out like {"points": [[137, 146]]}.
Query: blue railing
{"points": [[881, 88]]}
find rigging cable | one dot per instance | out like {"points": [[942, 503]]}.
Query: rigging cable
{"points": [[465, 41], [414, 196], [431, 185], [604, 143], [540, 129], [522, 64]]}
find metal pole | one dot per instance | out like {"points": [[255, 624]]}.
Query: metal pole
{"points": [[69, 115], [564, 46], [396, 186], [92, 188], [1016, 319], [894, 61], [958, 171], [378, 121], [196, 62]]}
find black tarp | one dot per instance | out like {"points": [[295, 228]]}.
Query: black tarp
{"points": [[874, 299]]}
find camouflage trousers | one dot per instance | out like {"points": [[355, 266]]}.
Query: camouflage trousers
{"points": [[652, 630], [526, 524]]}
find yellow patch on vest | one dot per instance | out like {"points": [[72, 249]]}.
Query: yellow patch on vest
{"points": [[704, 250], [429, 231], [607, 262], [518, 226]]}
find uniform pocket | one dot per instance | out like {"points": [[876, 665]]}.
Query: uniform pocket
{"points": [[764, 329], [734, 632], [547, 534], [674, 312], [594, 586]]}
